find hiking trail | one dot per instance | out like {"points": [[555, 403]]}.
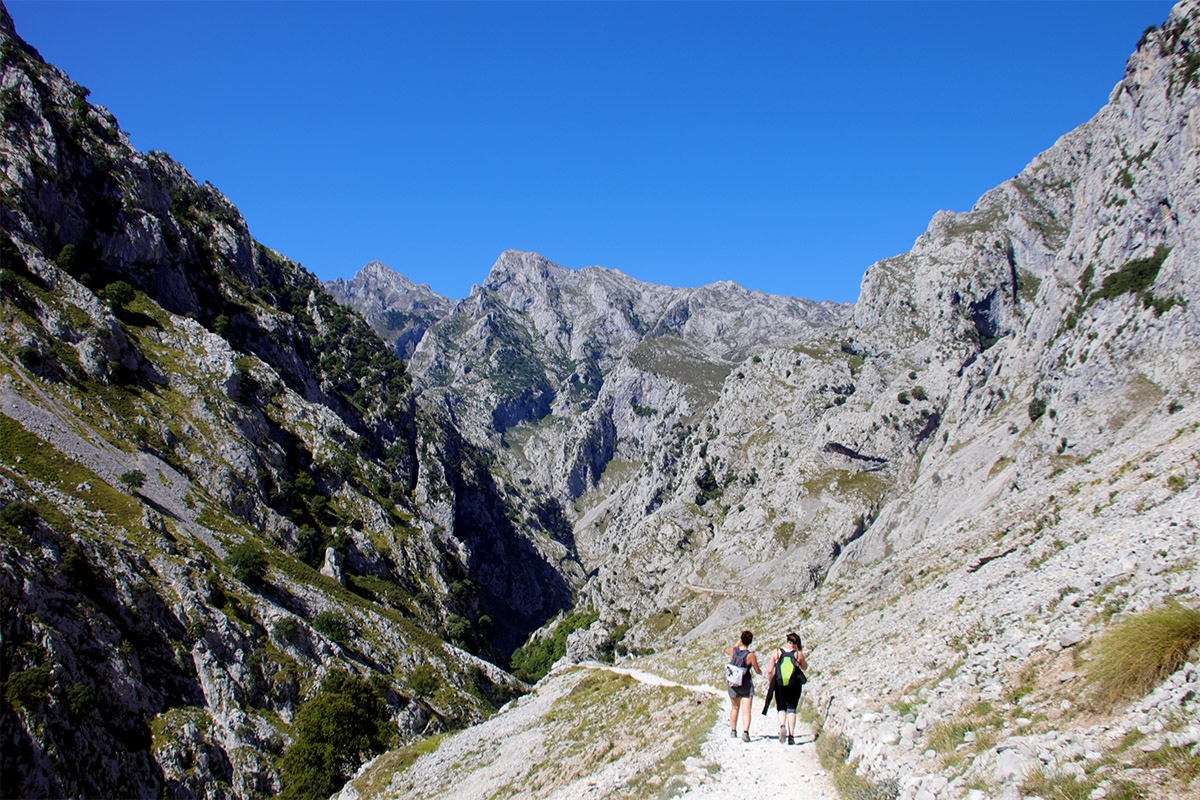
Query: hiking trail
{"points": [[747, 767]]}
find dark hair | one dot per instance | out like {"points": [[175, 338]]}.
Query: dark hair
{"points": [[747, 638], [794, 639]]}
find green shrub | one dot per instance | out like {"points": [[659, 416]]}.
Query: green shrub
{"points": [[248, 562], [533, 660], [286, 631], [1136, 276], [20, 516], [80, 699], [344, 725], [423, 680], [75, 565], [68, 259], [1037, 407], [132, 480], [118, 294], [709, 488], [333, 625], [28, 687], [457, 628], [1138, 653]]}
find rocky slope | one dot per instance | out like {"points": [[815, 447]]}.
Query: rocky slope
{"points": [[571, 375], [969, 481], [217, 487]]}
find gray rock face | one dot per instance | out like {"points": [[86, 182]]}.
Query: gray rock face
{"points": [[959, 488], [563, 372]]}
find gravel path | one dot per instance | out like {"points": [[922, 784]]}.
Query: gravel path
{"points": [[748, 767]]}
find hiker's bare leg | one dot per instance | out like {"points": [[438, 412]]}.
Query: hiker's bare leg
{"points": [[747, 702], [733, 712], [791, 724]]}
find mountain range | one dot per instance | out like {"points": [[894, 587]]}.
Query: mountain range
{"points": [[233, 494]]}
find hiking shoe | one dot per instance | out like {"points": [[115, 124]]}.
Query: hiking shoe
{"points": [[745, 736], [791, 740], [781, 734], [733, 733]]}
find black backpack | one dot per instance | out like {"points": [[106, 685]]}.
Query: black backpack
{"points": [[787, 670]]}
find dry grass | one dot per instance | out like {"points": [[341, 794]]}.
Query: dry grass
{"points": [[1138, 653]]}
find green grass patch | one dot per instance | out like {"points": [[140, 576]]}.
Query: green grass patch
{"points": [[376, 780], [1178, 761], [1138, 653], [834, 754], [42, 463]]}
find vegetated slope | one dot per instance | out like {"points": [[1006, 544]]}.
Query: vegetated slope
{"points": [[216, 485], [575, 736]]}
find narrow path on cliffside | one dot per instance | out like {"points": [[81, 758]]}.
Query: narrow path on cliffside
{"points": [[748, 768]]}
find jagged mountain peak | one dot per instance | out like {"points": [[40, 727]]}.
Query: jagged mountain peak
{"points": [[376, 276], [521, 265], [399, 309]]}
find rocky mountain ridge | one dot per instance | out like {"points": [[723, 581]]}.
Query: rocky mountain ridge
{"points": [[398, 309], [218, 494]]}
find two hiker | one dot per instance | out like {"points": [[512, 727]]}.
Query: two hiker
{"points": [[785, 679]]}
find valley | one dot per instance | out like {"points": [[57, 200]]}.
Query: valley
{"points": [[500, 543]]}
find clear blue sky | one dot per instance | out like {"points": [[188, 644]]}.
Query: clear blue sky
{"points": [[782, 145]]}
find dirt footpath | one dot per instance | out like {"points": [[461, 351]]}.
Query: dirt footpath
{"points": [[729, 767]]}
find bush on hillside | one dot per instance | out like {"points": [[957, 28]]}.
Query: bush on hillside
{"points": [[1140, 652], [534, 659], [248, 562], [333, 625], [343, 726], [19, 516]]}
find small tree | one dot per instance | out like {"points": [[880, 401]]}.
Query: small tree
{"points": [[1037, 407], [118, 294], [133, 480], [333, 625], [19, 515], [336, 731], [249, 563], [70, 260]]}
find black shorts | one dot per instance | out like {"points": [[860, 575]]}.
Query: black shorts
{"points": [[787, 698]]}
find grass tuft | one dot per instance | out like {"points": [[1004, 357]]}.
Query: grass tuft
{"points": [[1140, 652]]}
